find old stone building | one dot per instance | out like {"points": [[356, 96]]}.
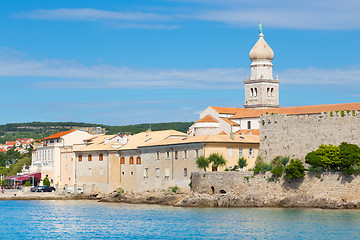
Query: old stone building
{"points": [[260, 115]]}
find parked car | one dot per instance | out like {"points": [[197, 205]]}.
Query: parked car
{"points": [[71, 190], [44, 189], [34, 189]]}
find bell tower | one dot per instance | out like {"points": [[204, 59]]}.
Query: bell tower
{"points": [[261, 90]]}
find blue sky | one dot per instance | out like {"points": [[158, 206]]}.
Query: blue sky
{"points": [[127, 62]]}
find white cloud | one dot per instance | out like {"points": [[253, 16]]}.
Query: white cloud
{"points": [[60, 74], [88, 14], [297, 14]]}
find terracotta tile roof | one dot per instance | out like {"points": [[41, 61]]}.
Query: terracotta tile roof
{"points": [[223, 133], [255, 139], [10, 143], [207, 118], [248, 132], [312, 109], [226, 110], [59, 134], [230, 122]]}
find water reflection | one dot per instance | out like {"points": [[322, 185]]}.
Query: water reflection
{"points": [[90, 219]]}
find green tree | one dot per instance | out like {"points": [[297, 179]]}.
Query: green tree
{"points": [[349, 155], [313, 159], [46, 181], [27, 183], [202, 162], [329, 156], [295, 169], [217, 160], [242, 162]]}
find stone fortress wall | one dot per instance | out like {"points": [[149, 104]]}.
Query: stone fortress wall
{"points": [[244, 189], [297, 135]]}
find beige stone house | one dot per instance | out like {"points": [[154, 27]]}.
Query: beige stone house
{"points": [[46, 158], [153, 160]]}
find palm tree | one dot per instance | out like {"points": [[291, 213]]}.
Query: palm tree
{"points": [[202, 162], [242, 163], [217, 160]]}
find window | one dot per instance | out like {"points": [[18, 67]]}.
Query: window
{"points": [[138, 160], [80, 158], [185, 154], [101, 171], [196, 153], [230, 152], [241, 152], [123, 173], [89, 157], [52, 141], [101, 157], [251, 152], [90, 172], [146, 173], [157, 155], [132, 173], [249, 124], [251, 92], [131, 160], [185, 172], [122, 160], [255, 93], [176, 155], [167, 172], [168, 155], [157, 171]]}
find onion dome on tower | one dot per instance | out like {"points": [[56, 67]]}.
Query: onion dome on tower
{"points": [[261, 50]]}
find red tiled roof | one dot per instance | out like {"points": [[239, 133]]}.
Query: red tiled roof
{"points": [[207, 118], [58, 135], [10, 143], [223, 133], [226, 110], [230, 122], [312, 109], [248, 132]]}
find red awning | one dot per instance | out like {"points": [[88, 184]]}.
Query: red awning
{"points": [[25, 176]]}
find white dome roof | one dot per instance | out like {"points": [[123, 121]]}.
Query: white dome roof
{"points": [[261, 50]]}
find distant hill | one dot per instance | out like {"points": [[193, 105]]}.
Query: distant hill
{"points": [[39, 130]]}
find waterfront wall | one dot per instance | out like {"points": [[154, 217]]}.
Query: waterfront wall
{"points": [[297, 135], [244, 189]]}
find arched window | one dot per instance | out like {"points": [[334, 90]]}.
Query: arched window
{"points": [[138, 160], [251, 92], [122, 160], [268, 92], [272, 92], [131, 160], [255, 93]]}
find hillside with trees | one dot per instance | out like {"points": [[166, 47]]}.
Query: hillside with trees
{"points": [[39, 130]]}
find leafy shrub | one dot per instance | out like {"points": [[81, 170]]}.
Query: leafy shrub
{"points": [[349, 155], [349, 171], [295, 169], [174, 189], [27, 183], [329, 156], [261, 166], [242, 162], [315, 169], [277, 171], [120, 190], [285, 160], [46, 182]]}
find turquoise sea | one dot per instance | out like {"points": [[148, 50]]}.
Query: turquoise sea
{"points": [[93, 220]]}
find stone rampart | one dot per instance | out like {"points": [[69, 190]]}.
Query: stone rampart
{"points": [[244, 189], [297, 135]]}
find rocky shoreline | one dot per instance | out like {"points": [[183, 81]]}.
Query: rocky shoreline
{"points": [[224, 200]]}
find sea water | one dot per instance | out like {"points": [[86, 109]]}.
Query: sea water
{"points": [[80, 219]]}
